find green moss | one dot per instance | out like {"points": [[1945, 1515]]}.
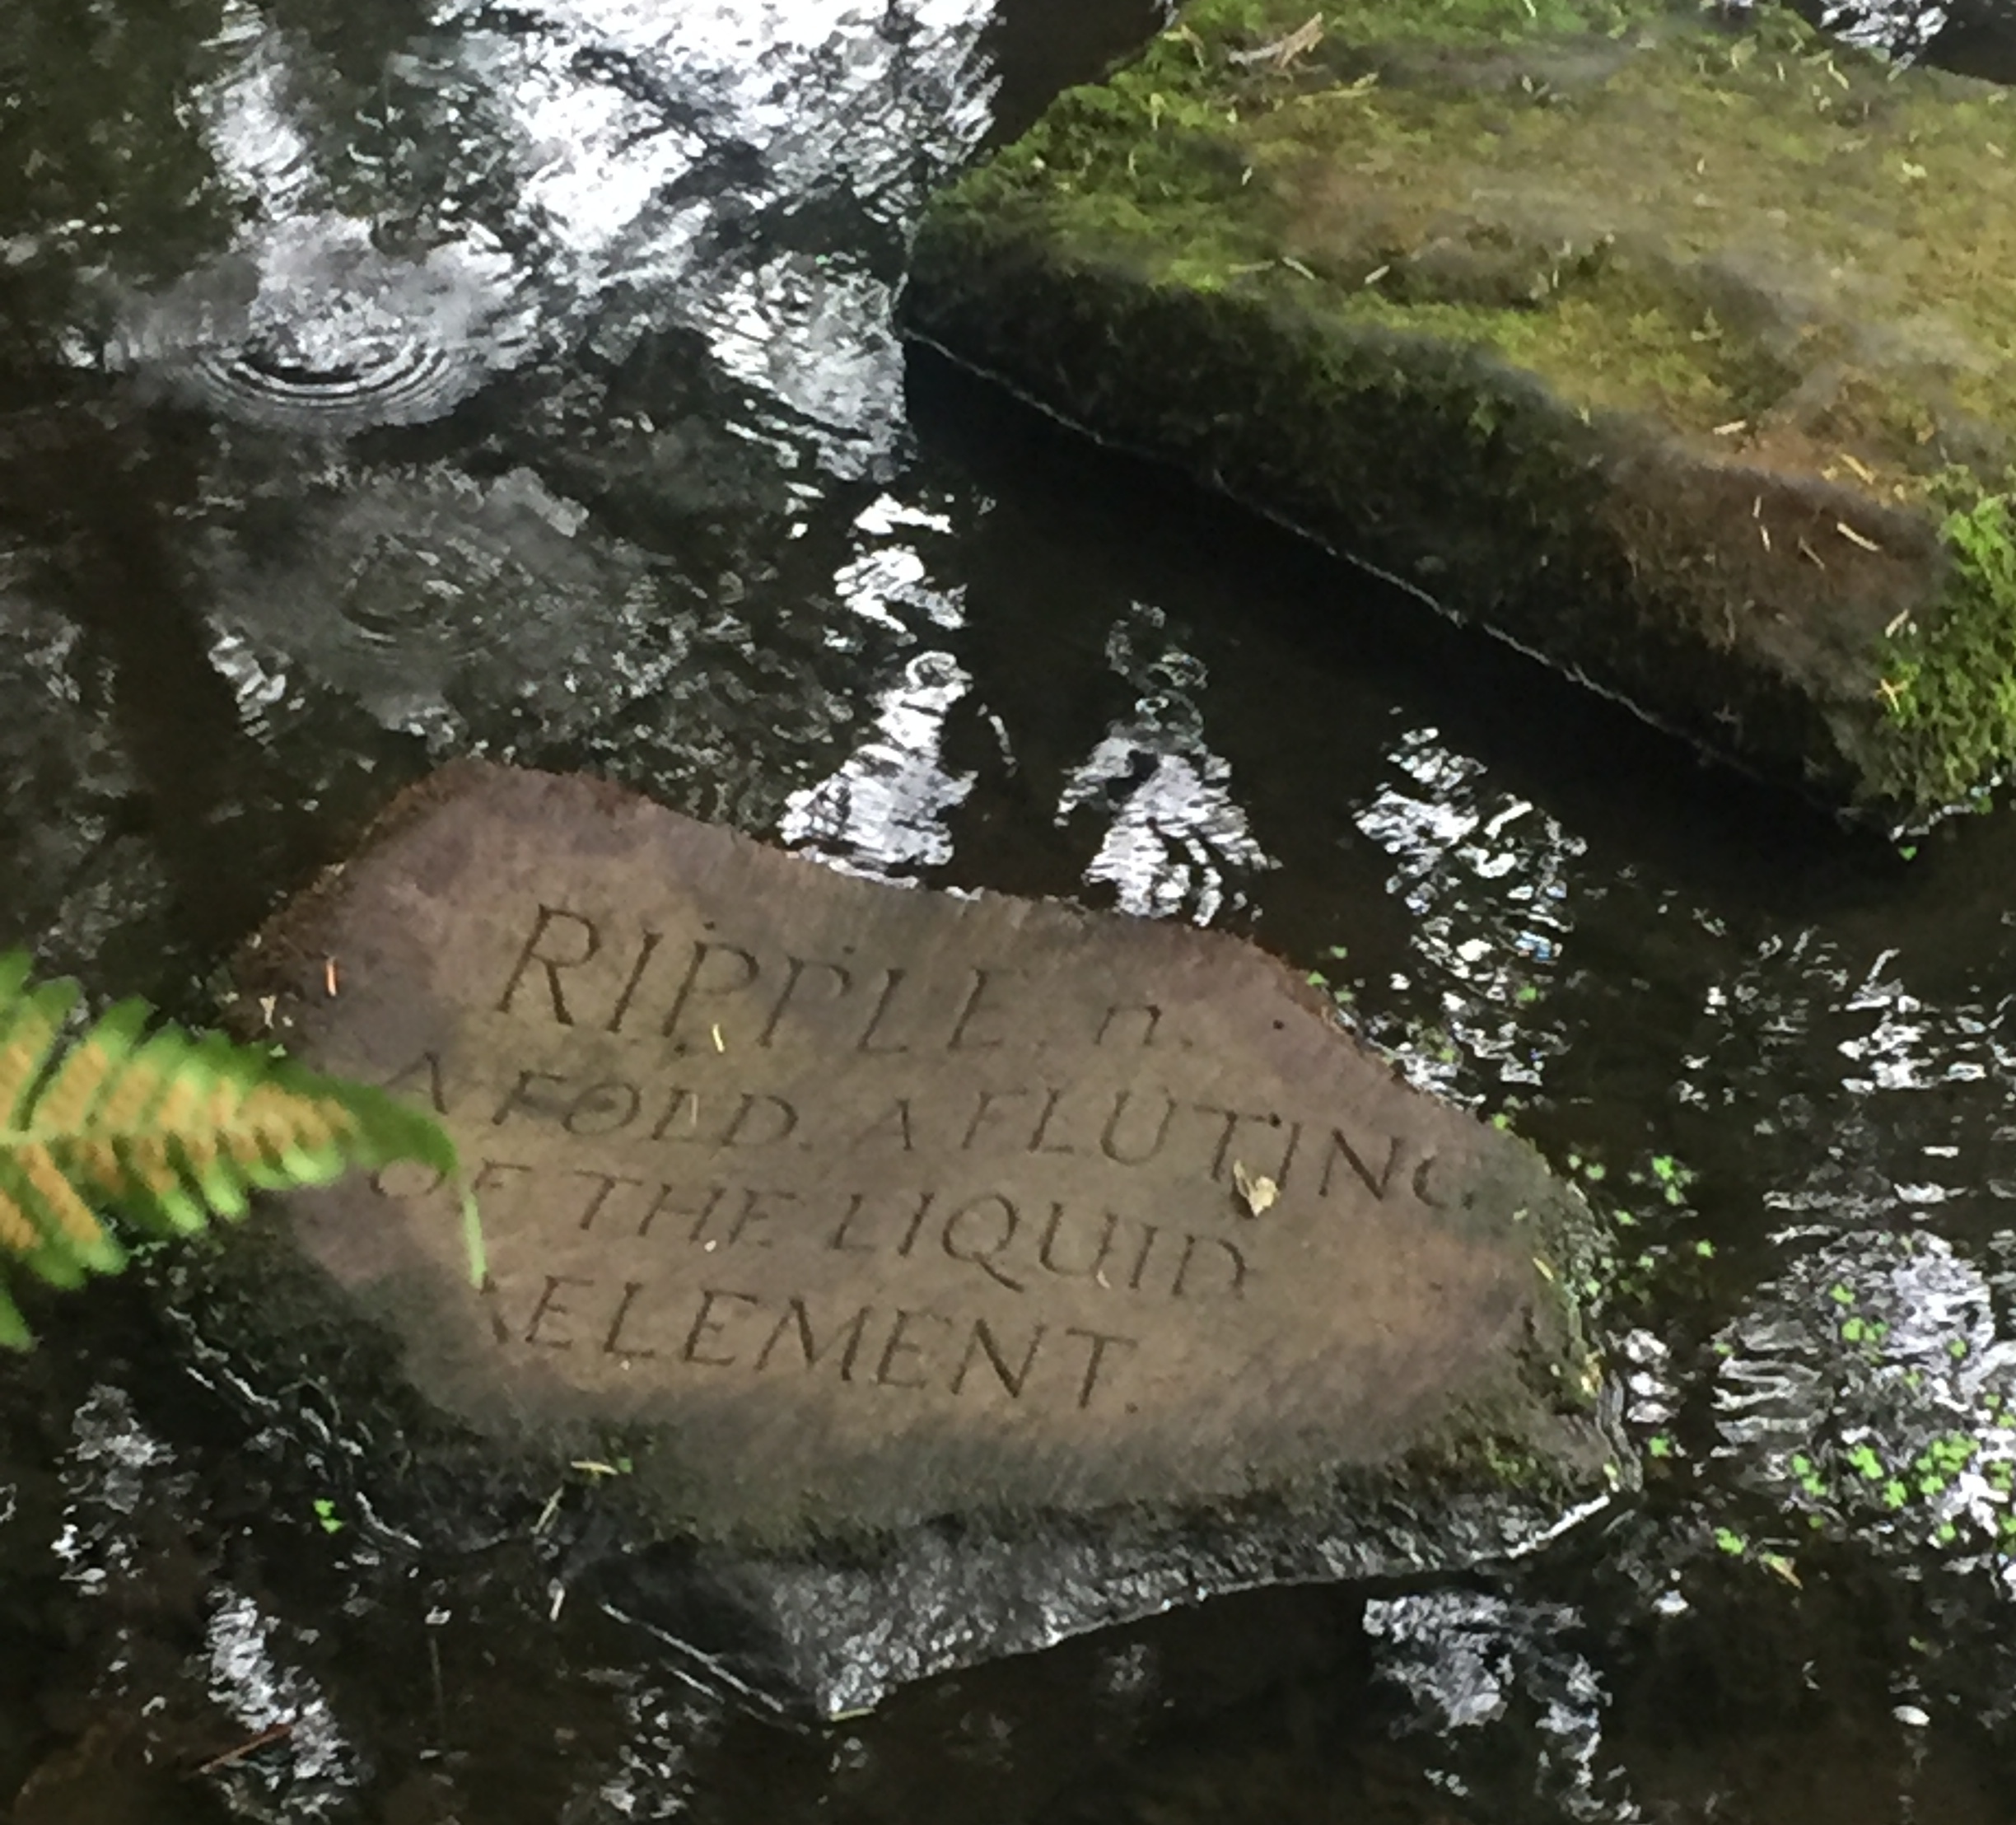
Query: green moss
{"points": [[1950, 682], [1245, 25], [1709, 275], [1619, 330]]}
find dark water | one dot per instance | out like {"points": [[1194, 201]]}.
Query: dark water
{"points": [[386, 381]]}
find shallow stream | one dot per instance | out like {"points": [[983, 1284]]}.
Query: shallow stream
{"points": [[394, 379]]}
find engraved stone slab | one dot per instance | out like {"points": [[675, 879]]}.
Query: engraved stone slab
{"points": [[857, 1208]]}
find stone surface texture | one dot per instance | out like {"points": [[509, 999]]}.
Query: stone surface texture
{"points": [[843, 1214], [1655, 341]]}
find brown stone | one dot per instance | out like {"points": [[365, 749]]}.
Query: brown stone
{"points": [[861, 1207]]}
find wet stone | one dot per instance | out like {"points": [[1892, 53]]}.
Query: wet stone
{"points": [[950, 1272], [1481, 295]]}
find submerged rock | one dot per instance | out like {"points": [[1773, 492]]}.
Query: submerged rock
{"points": [[925, 1277], [1662, 343]]}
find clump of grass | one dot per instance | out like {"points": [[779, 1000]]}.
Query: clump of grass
{"points": [[1949, 685]]}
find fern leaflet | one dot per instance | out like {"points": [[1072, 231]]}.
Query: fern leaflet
{"points": [[168, 1129]]}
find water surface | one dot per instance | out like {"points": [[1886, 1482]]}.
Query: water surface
{"points": [[388, 381]]}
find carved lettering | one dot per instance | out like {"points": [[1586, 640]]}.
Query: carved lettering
{"points": [[896, 1123], [1421, 1184], [795, 972], [797, 1321], [1095, 1358], [605, 1183], [754, 1215], [549, 1307], [774, 1123], [427, 1061], [1288, 1156], [1207, 1248], [837, 1241], [916, 1223], [899, 1346], [706, 1326], [517, 1098], [590, 942], [1341, 1149], [982, 1243], [1057, 1243], [603, 1109], [613, 1344], [652, 939], [971, 1010], [1109, 1140], [1150, 1231], [741, 967], [1037, 1142], [893, 981], [661, 1206], [986, 1103], [1093, 1269], [485, 1181], [982, 1342]]}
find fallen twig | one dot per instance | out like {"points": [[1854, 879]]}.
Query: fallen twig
{"points": [[273, 1732]]}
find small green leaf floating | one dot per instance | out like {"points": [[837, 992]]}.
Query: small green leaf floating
{"points": [[169, 1130]]}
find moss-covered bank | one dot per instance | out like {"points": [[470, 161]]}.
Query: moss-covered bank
{"points": [[1654, 344]]}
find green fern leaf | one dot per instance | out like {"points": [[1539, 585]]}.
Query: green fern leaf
{"points": [[169, 1131]]}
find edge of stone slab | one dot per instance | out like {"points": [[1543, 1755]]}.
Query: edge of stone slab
{"points": [[803, 1616], [1616, 546], [837, 1622], [1547, 588]]}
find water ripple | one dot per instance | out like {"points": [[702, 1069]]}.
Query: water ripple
{"points": [[1178, 843], [1486, 879], [308, 327], [1869, 1388]]}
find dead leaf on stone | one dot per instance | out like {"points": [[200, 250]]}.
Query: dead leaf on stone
{"points": [[1282, 52], [1256, 1190]]}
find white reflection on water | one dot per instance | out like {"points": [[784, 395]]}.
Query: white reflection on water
{"points": [[883, 814], [319, 1771], [1903, 28], [653, 1778], [125, 1539], [622, 151], [256, 147], [1867, 1385], [1911, 1046], [818, 340], [115, 1468], [1479, 1667], [885, 811], [306, 323], [1486, 878], [1177, 841]]}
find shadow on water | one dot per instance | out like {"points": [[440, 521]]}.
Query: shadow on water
{"points": [[94, 503], [1323, 661], [386, 382]]}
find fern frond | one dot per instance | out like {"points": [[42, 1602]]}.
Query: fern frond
{"points": [[168, 1131]]}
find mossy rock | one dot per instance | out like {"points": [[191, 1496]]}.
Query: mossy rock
{"points": [[1678, 350]]}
